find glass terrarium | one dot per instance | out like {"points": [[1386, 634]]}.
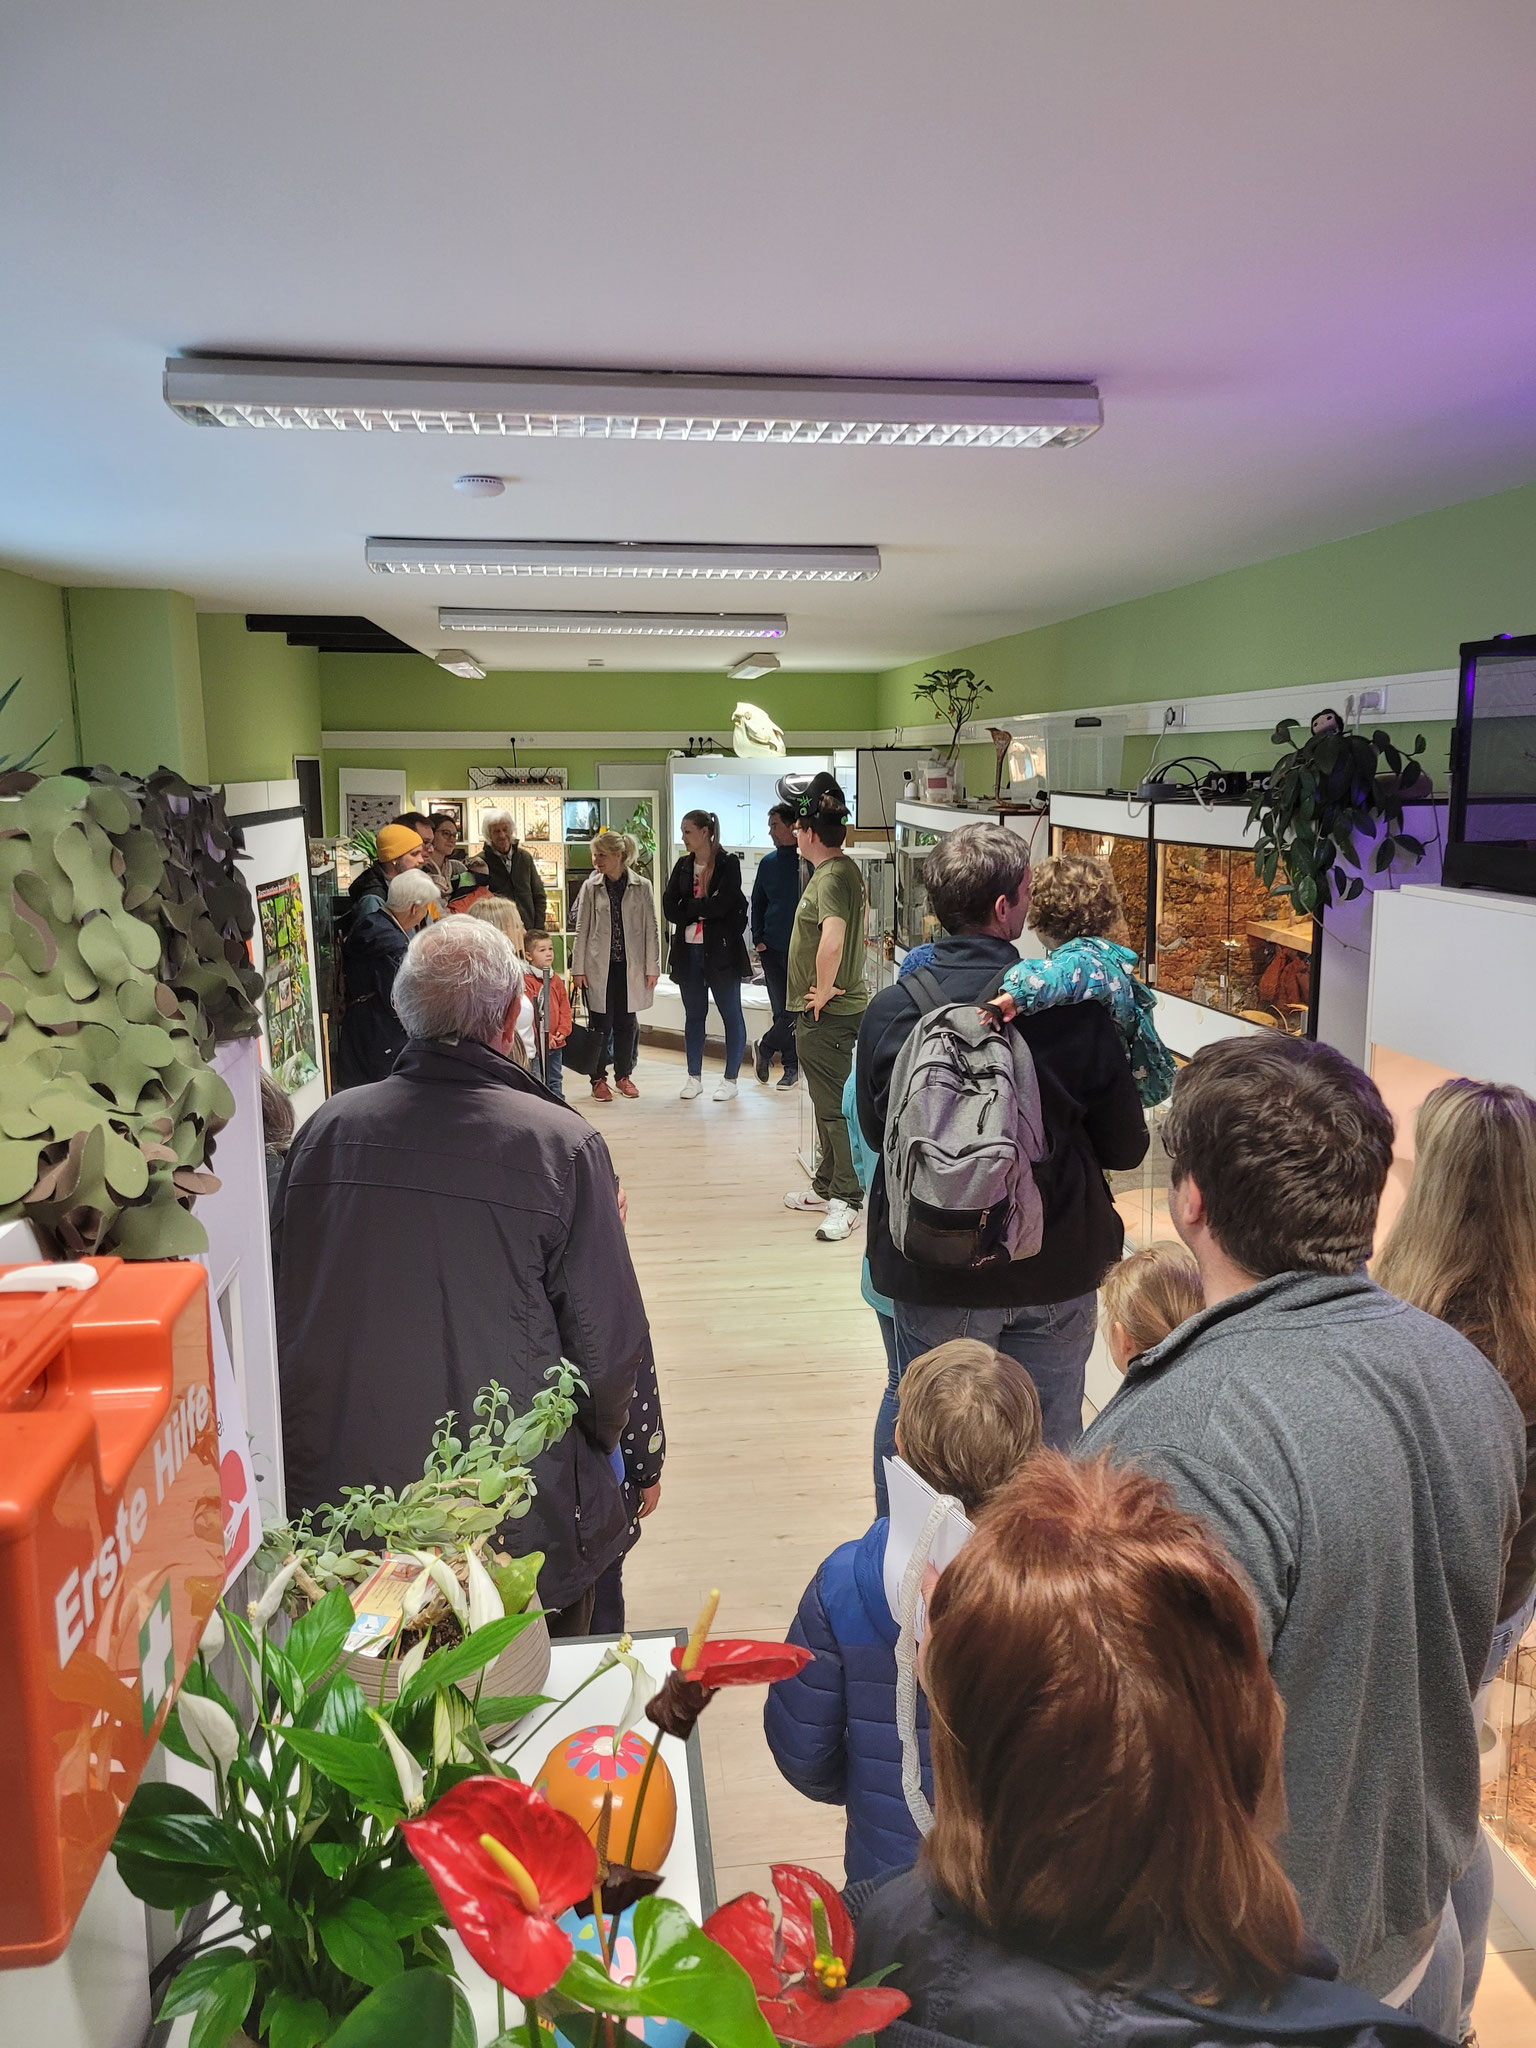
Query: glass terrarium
{"points": [[1228, 943], [1126, 859], [1509, 1756], [915, 921]]}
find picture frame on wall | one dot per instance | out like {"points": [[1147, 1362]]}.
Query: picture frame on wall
{"points": [[456, 807], [368, 798], [554, 910]]}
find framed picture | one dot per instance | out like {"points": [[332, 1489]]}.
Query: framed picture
{"points": [[536, 818], [455, 807], [583, 819], [554, 910], [369, 798], [549, 870]]}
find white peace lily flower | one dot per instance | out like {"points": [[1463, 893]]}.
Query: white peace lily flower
{"points": [[412, 1661], [213, 1635], [447, 1584], [413, 1779], [485, 1603], [417, 1592], [261, 1611], [642, 1690], [210, 1729]]}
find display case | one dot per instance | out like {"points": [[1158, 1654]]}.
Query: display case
{"points": [[1229, 955], [919, 828]]}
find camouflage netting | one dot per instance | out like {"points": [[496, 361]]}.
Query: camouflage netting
{"points": [[123, 963]]}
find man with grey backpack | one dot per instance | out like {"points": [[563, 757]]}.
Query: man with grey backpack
{"points": [[989, 1215]]}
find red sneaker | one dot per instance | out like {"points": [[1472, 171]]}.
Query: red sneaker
{"points": [[626, 1087], [601, 1092]]}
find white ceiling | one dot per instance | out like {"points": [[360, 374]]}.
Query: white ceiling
{"points": [[1294, 241]]}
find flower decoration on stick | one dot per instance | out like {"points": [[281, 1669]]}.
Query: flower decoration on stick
{"points": [[505, 1865], [702, 1668], [800, 1970]]}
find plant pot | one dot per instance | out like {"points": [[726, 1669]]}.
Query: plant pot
{"points": [[520, 1669]]}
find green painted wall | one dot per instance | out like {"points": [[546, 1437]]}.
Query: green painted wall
{"points": [[1393, 601], [398, 692], [34, 646], [261, 700], [138, 680]]}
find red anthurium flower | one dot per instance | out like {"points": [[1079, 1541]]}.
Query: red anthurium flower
{"points": [[726, 1663], [505, 1864], [800, 1975]]}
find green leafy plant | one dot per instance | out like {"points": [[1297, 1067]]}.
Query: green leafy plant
{"points": [[18, 764], [470, 1486], [642, 830], [1320, 797], [299, 1851], [954, 694], [365, 844]]}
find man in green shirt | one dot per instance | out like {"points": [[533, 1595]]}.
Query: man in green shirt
{"points": [[827, 997]]}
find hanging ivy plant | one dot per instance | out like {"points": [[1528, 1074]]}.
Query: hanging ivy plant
{"points": [[1320, 799]]}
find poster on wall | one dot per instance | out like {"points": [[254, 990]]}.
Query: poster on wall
{"points": [[367, 812], [290, 1013]]}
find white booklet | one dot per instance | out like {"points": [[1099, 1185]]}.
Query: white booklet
{"points": [[913, 1500]]}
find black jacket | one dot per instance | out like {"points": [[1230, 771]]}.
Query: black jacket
{"points": [[452, 1225], [370, 1035], [775, 898], [722, 910], [516, 874], [965, 1988], [1093, 1119]]}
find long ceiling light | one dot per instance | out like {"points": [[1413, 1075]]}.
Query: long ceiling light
{"points": [[682, 625], [390, 556], [628, 405]]}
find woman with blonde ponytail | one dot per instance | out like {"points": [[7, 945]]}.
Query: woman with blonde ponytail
{"points": [[1464, 1249]]}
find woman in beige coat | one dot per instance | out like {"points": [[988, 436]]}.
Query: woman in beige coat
{"points": [[617, 955]]}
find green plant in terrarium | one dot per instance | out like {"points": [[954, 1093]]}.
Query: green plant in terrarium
{"points": [[954, 694]]}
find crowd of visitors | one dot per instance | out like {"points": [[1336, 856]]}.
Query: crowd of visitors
{"points": [[1195, 1755]]}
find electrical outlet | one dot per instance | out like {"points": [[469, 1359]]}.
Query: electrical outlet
{"points": [[1173, 716], [1372, 704]]}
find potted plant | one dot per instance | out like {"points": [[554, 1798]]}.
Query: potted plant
{"points": [[954, 694], [1318, 797], [471, 1486]]}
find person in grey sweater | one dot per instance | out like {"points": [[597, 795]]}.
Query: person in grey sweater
{"points": [[1362, 1462]]}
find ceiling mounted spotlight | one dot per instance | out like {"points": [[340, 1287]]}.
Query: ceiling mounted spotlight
{"points": [[628, 405], [751, 666], [458, 663], [474, 486], [680, 625], [389, 555]]}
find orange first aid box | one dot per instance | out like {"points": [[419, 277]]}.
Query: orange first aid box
{"points": [[111, 1560]]}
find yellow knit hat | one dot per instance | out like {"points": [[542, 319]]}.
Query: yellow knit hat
{"points": [[393, 840]]}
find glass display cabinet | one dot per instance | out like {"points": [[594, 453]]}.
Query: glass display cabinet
{"points": [[918, 829], [1226, 942], [1509, 1758]]}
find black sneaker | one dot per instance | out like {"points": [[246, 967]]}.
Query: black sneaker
{"points": [[763, 1061], [790, 1078]]}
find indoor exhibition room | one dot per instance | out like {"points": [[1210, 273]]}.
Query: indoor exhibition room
{"points": [[767, 1084]]}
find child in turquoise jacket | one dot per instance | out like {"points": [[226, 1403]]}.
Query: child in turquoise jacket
{"points": [[1075, 908]]}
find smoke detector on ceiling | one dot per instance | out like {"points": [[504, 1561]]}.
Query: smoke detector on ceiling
{"points": [[480, 486], [458, 663], [751, 666]]}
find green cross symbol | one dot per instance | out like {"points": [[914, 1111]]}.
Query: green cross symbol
{"points": [[157, 1658]]}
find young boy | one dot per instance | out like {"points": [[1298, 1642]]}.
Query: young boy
{"points": [[968, 1419], [539, 951]]}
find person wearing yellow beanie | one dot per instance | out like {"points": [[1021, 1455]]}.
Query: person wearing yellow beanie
{"points": [[397, 848]]}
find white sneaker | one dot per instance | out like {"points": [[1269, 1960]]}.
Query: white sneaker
{"points": [[841, 1218], [801, 1198], [691, 1087], [725, 1091]]}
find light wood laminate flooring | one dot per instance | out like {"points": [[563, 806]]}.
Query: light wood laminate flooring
{"points": [[771, 1370]]}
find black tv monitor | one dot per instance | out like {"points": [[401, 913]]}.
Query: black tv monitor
{"points": [[1491, 840]]}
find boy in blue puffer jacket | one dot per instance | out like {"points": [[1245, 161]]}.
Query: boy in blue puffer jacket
{"points": [[968, 1419]]}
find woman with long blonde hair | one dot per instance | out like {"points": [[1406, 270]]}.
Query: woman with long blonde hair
{"points": [[502, 912], [1464, 1249]]}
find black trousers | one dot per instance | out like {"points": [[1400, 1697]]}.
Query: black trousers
{"points": [[619, 1020], [780, 1037]]}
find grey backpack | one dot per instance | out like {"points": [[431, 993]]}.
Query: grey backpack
{"points": [[963, 1134]]}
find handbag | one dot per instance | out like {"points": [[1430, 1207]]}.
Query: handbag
{"points": [[586, 1049]]}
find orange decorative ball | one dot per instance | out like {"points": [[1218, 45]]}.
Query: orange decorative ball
{"points": [[582, 1769]]}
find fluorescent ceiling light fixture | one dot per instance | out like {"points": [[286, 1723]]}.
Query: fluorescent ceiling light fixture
{"points": [[683, 625], [391, 556], [628, 405], [458, 663], [751, 666]]}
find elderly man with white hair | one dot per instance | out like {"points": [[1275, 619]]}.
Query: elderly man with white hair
{"points": [[452, 1225], [378, 934], [511, 870]]}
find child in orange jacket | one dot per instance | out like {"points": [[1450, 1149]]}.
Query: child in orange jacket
{"points": [[539, 951]]}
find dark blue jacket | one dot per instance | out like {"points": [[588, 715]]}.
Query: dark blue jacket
{"points": [[775, 895], [969, 1992], [832, 1728]]}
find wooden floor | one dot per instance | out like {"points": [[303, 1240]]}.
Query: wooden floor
{"points": [[771, 1371]]}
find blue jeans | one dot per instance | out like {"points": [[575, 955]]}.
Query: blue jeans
{"points": [[780, 1036], [1437, 1997], [1051, 1342], [696, 985], [554, 1070], [1472, 1893]]}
